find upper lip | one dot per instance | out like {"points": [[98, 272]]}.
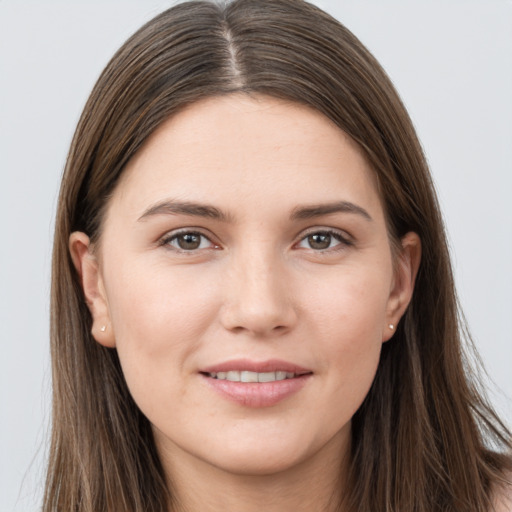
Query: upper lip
{"points": [[270, 365]]}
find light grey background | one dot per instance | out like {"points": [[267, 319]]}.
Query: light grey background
{"points": [[450, 60]]}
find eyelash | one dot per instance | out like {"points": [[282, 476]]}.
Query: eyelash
{"points": [[343, 240], [175, 235]]}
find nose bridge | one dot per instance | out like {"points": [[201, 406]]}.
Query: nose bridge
{"points": [[258, 300]]}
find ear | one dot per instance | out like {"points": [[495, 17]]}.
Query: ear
{"points": [[86, 265], [406, 269]]}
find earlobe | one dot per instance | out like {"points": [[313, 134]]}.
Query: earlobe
{"points": [[86, 265], [408, 262]]}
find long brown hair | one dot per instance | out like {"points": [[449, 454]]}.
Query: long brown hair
{"points": [[424, 439]]}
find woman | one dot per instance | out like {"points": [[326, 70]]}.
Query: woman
{"points": [[252, 302]]}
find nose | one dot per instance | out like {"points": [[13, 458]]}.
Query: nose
{"points": [[258, 297]]}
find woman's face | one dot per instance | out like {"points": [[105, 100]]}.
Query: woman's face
{"points": [[246, 241]]}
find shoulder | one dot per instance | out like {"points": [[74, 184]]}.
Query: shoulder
{"points": [[502, 495]]}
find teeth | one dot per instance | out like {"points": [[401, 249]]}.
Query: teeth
{"points": [[267, 377], [232, 376], [246, 376]]}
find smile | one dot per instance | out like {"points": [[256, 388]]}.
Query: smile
{"points": [[256, 384], [247, 376]]}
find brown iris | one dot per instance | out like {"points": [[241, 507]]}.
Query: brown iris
{"points": [[189, 241], [319, 240]]}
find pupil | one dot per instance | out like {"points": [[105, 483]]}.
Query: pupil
{"points": [[319, 241], [189, 241]]}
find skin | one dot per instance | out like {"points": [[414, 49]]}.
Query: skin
{"points": [[502, 494], [258, 287]]}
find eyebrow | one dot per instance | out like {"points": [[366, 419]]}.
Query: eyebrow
{"points": [[172, 207], [309, 212]]}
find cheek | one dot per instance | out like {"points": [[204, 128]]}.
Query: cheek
{"points": [[152, 303], [348, 317], [352, 305], [159, 318]]}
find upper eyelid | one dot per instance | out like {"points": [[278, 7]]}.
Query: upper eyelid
{"points": [[324, 229], [169, 235], [188, 229]]}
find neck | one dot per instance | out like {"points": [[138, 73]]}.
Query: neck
{"points": [[317, 483]]}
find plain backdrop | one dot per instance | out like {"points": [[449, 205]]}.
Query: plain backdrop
{"points": [[451, 62]]}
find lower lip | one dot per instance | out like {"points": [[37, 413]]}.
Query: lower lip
{"points": [[257, 394]]}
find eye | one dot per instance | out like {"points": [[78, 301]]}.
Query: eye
{"points": [[323, 240], [188, 241]]}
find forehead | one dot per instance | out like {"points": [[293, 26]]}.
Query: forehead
{"points": [[256, 150]]}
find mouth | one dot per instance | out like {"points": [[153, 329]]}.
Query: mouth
{"points": [[256, 384], [249, 376]]}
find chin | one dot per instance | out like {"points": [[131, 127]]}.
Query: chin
{"points": [[272, 453], [262, 461]]}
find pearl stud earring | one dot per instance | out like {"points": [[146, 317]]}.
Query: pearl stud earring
{"points": [[103, 328], [391, 326]]}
